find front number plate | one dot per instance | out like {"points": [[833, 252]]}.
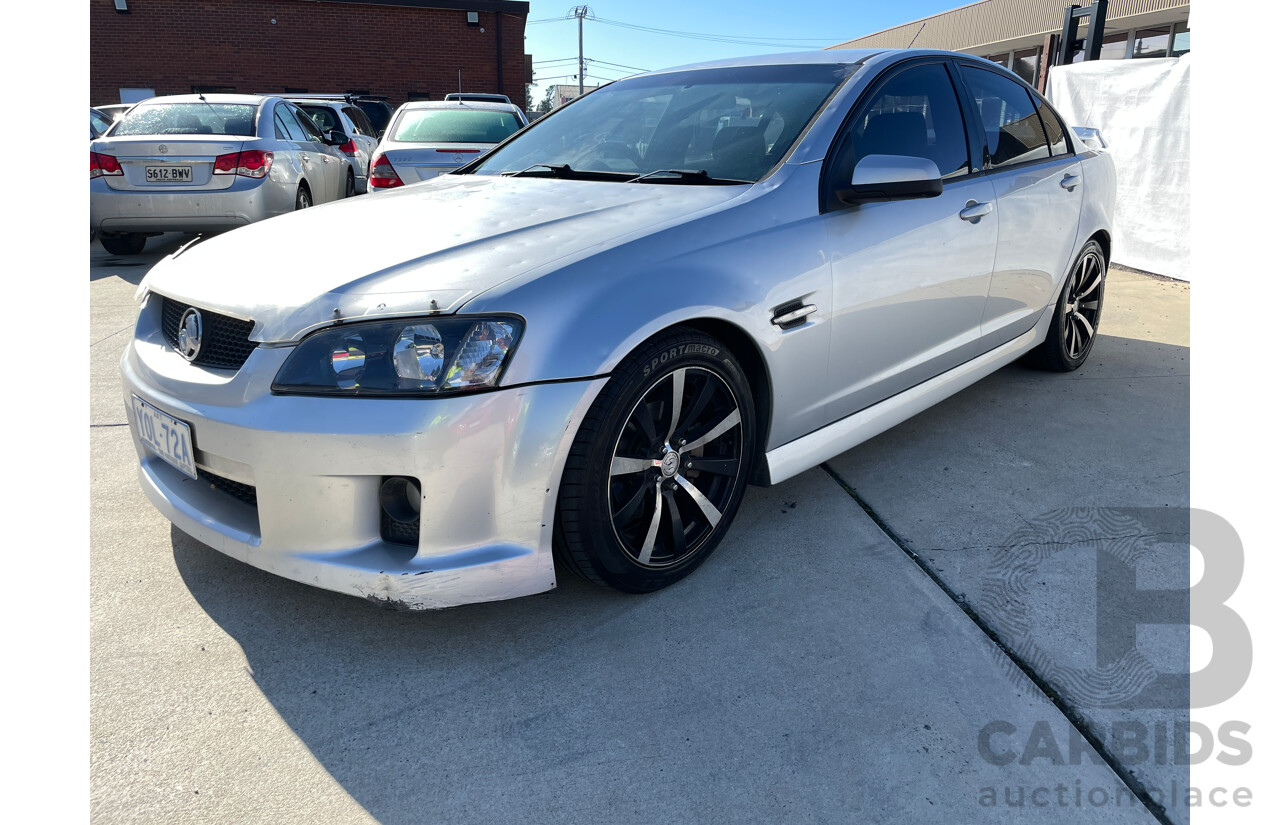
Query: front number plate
{"points": [[168, 174], [165, 436]]}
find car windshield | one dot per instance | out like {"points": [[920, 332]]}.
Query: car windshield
{"points": [[187, 119], [454, 126], [732, 124]]}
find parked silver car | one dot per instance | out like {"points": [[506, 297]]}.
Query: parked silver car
{"points": [[588, 342], [338, 115], [197, 163], [427, 138]]}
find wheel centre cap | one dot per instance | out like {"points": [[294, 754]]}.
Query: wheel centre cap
{"points": [[670, 463]]}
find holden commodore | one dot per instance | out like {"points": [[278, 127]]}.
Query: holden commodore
{"points": [[585, 344]]}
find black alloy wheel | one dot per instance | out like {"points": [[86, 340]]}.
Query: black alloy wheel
{"points": [[659, 466]]}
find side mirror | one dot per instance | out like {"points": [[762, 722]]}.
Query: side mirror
{"points": [[892, 178], [335, 138]]}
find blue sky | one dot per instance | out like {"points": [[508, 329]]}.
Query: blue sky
{"points": [[761, 27]]}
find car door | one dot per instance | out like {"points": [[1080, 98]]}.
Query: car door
{"points": [[1028, 159], [365, 138], [321, 161], [910, 277]]}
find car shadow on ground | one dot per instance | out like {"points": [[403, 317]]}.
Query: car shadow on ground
{"points": [[516, 707], [105, 265]]}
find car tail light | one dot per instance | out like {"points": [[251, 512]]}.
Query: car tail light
{"points": [[252, 163], [383, 175], [100, 165], [226, 164], [348, 148]]}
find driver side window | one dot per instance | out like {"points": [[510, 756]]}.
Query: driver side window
{"points": [[915, 113]]}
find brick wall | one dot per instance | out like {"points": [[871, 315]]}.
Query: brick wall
{"points": [[171, 45]]}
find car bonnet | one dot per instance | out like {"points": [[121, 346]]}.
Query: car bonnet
{"points": [[424, 248]]}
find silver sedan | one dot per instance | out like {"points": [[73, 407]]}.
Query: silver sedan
{"points": [[430, 138], [587, 343], [199, 163]]}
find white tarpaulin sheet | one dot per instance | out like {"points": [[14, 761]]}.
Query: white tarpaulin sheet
{"points": [[1143, 108]]}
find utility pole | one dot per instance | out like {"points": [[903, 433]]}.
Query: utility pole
{"points": [[580, 12]]}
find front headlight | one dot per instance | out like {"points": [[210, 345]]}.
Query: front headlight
{"points": [[416, 356]]}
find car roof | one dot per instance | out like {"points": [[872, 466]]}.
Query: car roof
{"points": [[461, 104], [824, 56], [209, 98]]}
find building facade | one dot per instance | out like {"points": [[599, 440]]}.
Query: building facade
{"points": [[1022, 35], [401, 49]]}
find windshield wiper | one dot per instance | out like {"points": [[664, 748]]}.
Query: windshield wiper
{"points": [[563, 171], [557, 171], [684, 176]]}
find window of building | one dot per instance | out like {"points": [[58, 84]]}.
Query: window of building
{"points": [[1151, 42], [418, 96], [1115, 46], [998, 59], [1026, 64], [1013, 129], [201, 89]]}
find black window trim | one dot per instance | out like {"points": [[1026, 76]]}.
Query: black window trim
{"points": [[827, 202], [971, 114]]}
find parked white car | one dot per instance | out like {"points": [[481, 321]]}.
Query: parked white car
{"points": [[202, 163], [427, 138], [339, 115], [587, 343]]}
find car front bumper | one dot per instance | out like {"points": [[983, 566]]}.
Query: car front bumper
{"points": [[246, 201], [489, 467]]}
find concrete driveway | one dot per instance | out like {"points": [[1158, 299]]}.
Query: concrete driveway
{"points": [[844, 657]]}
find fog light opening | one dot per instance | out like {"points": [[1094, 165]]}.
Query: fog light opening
{"points": [[401, 499]]}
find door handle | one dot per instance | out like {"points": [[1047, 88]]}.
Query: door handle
{"points": [[1070, 182], [973, 211]]}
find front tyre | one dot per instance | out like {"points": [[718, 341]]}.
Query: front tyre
{"points": [[1076, 317], [659, 465]]}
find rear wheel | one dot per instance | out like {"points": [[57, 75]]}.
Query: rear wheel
{"points": [[1075, 319], [351, 186], [123, 243], [659, 466], [304, 198]]}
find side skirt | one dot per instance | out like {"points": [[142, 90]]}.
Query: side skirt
{"points": [[794, 457]]}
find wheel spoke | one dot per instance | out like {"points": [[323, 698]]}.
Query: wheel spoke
{"points": [[622, 466], [646, 551], [1089, 305], [677, 398], [1072, 334], [1088, 327], [623, 516], [720, 467], [1092, 286], [677, 526], [729, 422], [708, 509]]}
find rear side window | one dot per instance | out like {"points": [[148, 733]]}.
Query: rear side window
{"points": [[359, 120], [455, 126], [915, 113], [187, 119], [287, 127], [1056, 132], [1009, 120]]}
